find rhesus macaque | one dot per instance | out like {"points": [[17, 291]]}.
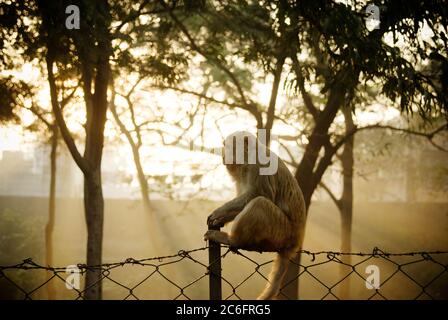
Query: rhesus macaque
{"points": [[268, 213]]}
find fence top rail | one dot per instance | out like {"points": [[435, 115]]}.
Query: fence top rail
{"points": [[29, 263]]}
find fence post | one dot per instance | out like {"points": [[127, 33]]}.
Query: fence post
{"points": [[214, 262]]}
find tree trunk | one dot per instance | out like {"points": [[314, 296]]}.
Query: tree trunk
{"points": [[346, 202], [411, 178], [97, 72], [93, 193], [310, 171], [144, 187], [305, 174], [156, 237], [51, 211], [346, 229], [305, 171], [94, 212], [96, 105], [135, 147], [291, 281]]}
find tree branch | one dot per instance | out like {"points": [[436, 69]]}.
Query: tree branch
{"points": [[330, 151], [290, 155], [336, 201], [301, 84], [250, 108], [274, 91], [67, 136], [427, 135], [67, 98], [39, 115], [134, 15], [281, 57], [120, 124], [127, 97], [214, 60]]}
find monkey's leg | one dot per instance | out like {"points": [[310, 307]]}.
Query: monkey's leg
{"points": [[262, 226], [217, 236]]}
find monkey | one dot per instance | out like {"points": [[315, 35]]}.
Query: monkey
{"points": [[268, 212]]}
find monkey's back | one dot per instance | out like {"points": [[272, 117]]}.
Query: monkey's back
{"points": [[289, 196]]}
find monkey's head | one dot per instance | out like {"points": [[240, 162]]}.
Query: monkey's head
{"points": [[240, 150]]}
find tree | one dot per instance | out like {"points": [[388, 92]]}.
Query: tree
{"points": [[92, 46], [38, 30], [134, 144], [320, 51], [16, 94], [340, 56], [10, 94], [51, 127], [361, 65], [143, 53]]}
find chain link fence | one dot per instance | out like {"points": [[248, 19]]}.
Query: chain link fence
{"points": [[238, 275]]}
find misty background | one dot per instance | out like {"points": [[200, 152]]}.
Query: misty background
{"points": [[358, 113]]}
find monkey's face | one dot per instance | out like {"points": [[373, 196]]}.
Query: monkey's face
{"points": [[239, 151]]}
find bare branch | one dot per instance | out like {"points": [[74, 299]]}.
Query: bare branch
{"points": [[120, 124], [214, 60], [336, 201], [290, 155], [130, 104], [67, 98], [274, 91], [178, 143], [427, 135], [286, 137], [251, 108], [39, 115], [330, 150]]}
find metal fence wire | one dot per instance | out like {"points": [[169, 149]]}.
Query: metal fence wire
{"points": [[322, 275]]}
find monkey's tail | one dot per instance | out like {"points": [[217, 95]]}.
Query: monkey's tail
{"points": [[276, 276]]}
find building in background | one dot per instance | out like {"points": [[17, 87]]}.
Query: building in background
{"points": [[28, 174]]}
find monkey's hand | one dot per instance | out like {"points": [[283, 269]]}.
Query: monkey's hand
{"points": [[217, 218]]}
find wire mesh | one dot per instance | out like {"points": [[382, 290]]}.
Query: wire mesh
{"points": [[322, 275]]}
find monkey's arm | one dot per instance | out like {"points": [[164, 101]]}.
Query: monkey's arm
{"points": [[229, 210], [258, 185]]}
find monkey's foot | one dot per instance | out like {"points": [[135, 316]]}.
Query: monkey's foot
{"points": [[217, 236]]}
